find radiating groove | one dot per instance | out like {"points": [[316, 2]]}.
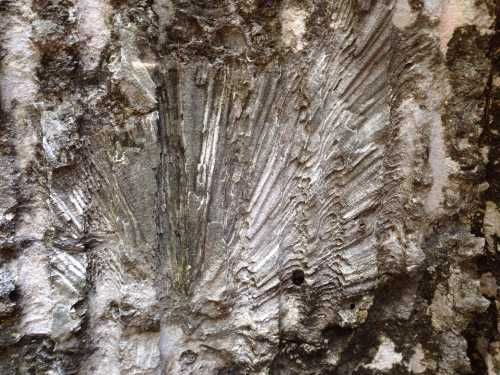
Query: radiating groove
{"points": [[287, 176]]}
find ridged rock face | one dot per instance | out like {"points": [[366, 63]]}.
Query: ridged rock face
{"points": [[271, 179], [249, 187]]}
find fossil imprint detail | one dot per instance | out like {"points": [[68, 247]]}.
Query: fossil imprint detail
{"points": [[248, 187]]}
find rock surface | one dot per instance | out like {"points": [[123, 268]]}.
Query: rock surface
{"points": [[249, 187]]}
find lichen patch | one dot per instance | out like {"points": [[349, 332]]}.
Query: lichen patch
{"points": [[454, 14]]}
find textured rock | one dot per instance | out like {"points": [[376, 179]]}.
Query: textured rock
{"points": [[249, 187]]}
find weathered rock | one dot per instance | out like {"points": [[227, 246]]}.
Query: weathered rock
{"points": [[249, 187]]}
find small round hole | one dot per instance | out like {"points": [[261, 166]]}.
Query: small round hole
{"points": [[353, 306], [298, 277], [14, 295]]}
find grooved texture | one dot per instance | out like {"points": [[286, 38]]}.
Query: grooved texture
{"points": [[248, 187]]}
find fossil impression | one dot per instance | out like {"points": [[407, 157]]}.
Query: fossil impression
{"points": [[237, 187]]}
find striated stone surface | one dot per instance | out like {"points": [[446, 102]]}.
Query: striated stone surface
{"points": [[249, 187]]}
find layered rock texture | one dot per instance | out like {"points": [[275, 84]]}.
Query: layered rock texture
{"points": [[237, 187]]}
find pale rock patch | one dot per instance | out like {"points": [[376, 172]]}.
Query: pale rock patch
{"points": [[453, 14], [491, 224], [386, 356], [417, 365], [93, 16], [293, 27], [403, 14]]}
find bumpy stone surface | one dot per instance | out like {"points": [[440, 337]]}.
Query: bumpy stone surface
{"points": [[249, 187]]}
